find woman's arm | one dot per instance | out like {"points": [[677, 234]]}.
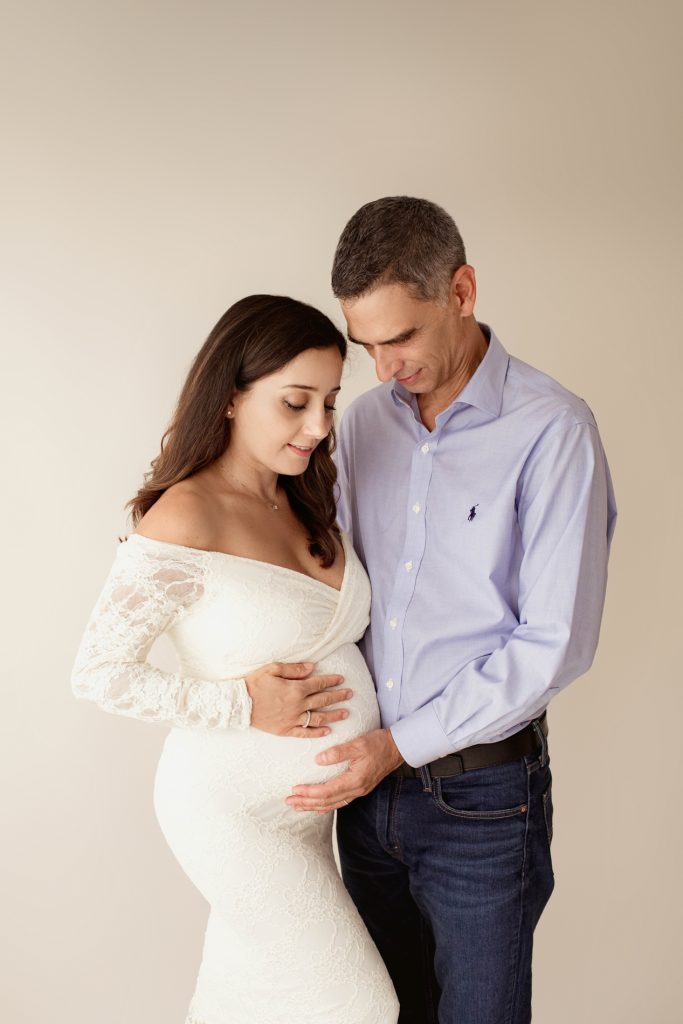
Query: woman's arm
{"points": [[145, 592]]}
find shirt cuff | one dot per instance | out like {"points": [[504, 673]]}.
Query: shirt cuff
{"points": [[420, 737]]}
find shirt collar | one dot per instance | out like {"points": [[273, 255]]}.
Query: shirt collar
{"points": [[484, 390]]}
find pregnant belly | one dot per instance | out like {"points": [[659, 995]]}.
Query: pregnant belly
{"points": [[252, 772]]}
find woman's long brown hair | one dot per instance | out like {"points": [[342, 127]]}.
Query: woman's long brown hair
{"points": [[254, 338]]}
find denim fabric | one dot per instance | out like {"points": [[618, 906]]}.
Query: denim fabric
{"points": [[450, 877]]}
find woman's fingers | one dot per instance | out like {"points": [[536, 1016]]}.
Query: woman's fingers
{"points": [[309, 733], [318, 723], [317, 684], [323, 700], [290, 670], [322, 718]]}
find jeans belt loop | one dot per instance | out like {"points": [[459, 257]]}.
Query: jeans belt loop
{"points": [[426, 777], [542, 740]]}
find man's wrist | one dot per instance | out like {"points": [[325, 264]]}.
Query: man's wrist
{"points": [[394, 755], [420, 737]]}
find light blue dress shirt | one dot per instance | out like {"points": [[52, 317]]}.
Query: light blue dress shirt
{"points": [[486, 542]]}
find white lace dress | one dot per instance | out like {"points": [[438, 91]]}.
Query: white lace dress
{"points": [[284, 943]]}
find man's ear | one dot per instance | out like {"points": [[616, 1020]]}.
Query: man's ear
{"points": [[463, 289]]}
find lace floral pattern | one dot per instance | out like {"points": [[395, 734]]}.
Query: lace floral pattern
{"points": [[284, 942], [146, 592]]}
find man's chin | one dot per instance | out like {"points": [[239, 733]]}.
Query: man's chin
{"points": [[422, 387]]}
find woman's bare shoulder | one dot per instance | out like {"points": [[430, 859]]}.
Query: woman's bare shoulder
{"points": [[182, 515]]}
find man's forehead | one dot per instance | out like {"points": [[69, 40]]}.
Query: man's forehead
{"points": [[393, 339], [386, 314]]}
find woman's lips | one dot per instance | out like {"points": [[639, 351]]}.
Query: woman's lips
{"points": [[303, 453]]}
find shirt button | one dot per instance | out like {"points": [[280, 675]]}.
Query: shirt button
{"points": [[409, 566], [416, 507], [393, 623], [389, 684], [424, 449]]}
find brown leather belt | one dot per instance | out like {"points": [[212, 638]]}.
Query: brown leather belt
{"points": [[483, 755]]}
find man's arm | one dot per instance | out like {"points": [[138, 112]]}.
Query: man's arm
{"points": [[566, 517]]}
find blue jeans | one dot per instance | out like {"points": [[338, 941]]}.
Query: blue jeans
{"points": [[451, 876]]}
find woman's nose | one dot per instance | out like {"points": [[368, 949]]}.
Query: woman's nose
{"points": [[317, 424]]}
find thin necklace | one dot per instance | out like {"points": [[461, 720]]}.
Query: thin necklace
{"points": [[271, 504]]}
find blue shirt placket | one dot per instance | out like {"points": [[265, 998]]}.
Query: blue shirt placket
{"points": [[405, 578]]}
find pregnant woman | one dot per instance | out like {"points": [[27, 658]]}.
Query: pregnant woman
{"points": [[236, 556]]}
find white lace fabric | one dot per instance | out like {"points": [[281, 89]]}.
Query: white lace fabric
{"points": [[147, 591], [284, 942]]}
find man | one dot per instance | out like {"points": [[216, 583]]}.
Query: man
{"points": [[478, 497]]}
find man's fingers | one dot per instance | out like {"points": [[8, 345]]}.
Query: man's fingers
{"points": [[321, 806], [337, 807], [325, 793], [302, 804], [333, 755]]}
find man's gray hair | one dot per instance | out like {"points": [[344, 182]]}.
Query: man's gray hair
{"points": [[398, 240]]}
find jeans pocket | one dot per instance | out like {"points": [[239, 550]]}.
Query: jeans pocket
{"points": [[483, 795], [548, 811]]}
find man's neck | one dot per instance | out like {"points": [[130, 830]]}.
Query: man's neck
{"points": [[474, 350]]}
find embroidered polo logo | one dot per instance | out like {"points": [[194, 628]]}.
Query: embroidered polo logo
{"points": [[473, 512]]}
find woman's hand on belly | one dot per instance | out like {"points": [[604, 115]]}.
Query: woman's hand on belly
{"points": [[285, 702]]}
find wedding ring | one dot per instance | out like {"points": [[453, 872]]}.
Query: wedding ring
{"points": [[308, 720]]}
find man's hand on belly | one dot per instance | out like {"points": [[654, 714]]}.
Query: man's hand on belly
{"points": [[371, 758]]}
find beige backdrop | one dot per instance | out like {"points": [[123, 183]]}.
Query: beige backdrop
{"points": [[163, 159]]}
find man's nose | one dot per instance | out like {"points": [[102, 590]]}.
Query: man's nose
{"points": [[385, 365]]}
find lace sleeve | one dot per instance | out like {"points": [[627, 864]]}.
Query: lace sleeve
{"points": [[143, 595]]}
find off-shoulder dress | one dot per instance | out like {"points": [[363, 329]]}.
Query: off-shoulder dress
{"points": [[284, 943]]}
